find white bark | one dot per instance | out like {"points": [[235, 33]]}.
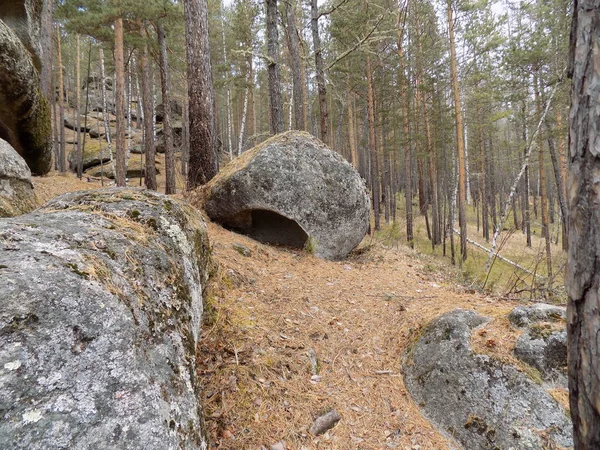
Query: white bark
{"points": [[243, 123]]}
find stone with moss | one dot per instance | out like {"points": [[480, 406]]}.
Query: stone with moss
{"points": [[100, 321], [480, 401], [16, 190], [94, 154], [24, 112], [135, 169], [290, 190]]}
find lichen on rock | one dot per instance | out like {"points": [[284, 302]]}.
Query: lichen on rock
{"points": [[99, 323], [16, 190], [482, 402], [292, 190]]}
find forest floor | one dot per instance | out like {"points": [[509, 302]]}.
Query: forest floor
{"points": [[288, 337]]}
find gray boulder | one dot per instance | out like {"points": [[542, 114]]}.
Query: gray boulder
{"points": [[292, 190], [24, 113], [523, 316], [24, 18], [481, 402], [546, 351], [99, 320], [94, 154], [16, 191]]}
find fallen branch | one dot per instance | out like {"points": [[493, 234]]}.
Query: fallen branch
{"points": [[497, 255]]}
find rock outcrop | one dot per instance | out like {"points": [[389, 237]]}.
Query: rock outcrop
{"points": [[16, 191], [481, 402], [523, 316], [24, 18], [99, 320], [546, 350], [543, 345], [292, 190], [24, 113]]}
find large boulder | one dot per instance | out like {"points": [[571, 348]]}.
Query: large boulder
{"points": [[24, 112], [292, 190], [482, 402], [24, 18], [16, 190], [135, 169], [99, 320]]}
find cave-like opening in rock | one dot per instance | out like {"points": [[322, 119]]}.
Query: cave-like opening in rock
{"points": [[269, 227]]}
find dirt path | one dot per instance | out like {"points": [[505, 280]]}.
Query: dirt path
{"points": [[271, 309]]}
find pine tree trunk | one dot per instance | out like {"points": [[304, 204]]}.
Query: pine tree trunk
{"points": [[295, 64], [460, 146], [149, 145], [62, 151], [275, 102], [78, 107], [375, 184], [320, 72], [202, 165], [403, 86], [119, 103], [563, 175], [351, 130], [583, 272], [170, 187], [105, 120]]}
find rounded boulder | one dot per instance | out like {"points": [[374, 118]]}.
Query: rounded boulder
{"points": [[292, 190]]}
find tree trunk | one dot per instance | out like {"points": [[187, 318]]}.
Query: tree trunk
{"points": [[375, 185], [583, 272], [543, 186], [320, 72], [105, 120], [295, 64], [62, 151], [351, 129], [403, 86], [202, 165], [170, 187], [149, 145], [119, 103], [460, 145], [275, 102], [78, 107]]}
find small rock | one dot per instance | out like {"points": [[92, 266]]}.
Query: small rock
{"points": [[242, 249], [314, 362], [325, 422], [278, 446]]}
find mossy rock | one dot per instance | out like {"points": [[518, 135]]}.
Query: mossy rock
{"points": [[134, 170]]}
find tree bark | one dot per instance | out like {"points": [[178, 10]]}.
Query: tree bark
{"points": [[275, 102], [543, 186], [295, 64], [202, 164], [375, 185], [78, 107], [583, 271], [149, 145], [320, 72], [460, 143], [120, 103], [403, 86], [62, 152], [170, 187]]}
